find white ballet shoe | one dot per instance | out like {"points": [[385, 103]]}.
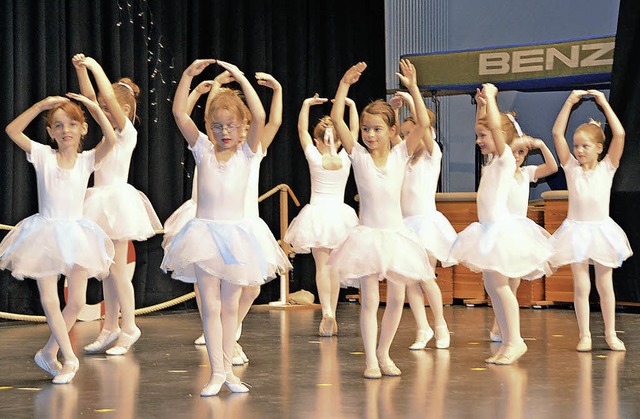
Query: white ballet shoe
{"points": [[213, 386], [52, 366], [390, 369], [443, 337], [423, 336], [103, 341], [125, 343], [200, 341], [615, 344], [241, 354], [495, 337], [372, 373], [511, 353], [234, 384], [68, 372], [328, 327], [584, 344]]}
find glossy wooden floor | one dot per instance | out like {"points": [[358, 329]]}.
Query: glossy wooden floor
{"points": [[296, 374]]}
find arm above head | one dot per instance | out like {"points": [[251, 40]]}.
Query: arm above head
{"points": [[549, 166], [180, 108], [409, 78], [351, 76], [195, 94], [616, 147], [354, 118], [490, 93], [15, 129], [258, 114], [221, 79], [110, 138], [275, 112], [303, 119], [560, 126], [86, 88]]}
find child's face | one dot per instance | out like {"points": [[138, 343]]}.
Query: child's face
{"points": [[520, 150], [484, 139], [227, 130], [406, 128], [585, 149], [66, 131], [375, 132]]}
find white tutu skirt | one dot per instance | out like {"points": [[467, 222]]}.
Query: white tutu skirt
{"points": [[603, 242], [320, 226], [176, 221], [516, 247], [435, 233], [39, 247], [123, 212], [395, 255], [229, 251]]}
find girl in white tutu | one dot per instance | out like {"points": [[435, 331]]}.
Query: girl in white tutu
{"points": [[589, 235], [381, 246], [217, 249], [123, 212], [58, 240], [500, 245], [518, 200], [420, 215], [325, 222]]}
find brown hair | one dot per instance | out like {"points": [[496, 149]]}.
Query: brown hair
{"points": [[382, 109], [127, 93], [322, 125], [506, 126], [228, 99]]}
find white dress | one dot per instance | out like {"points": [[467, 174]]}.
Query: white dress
{"points": [[381, 244], [588, 233], [219, 240], [55, 239], [326, 220], [122, 211], [180, 217], [419, 205], [500, 241]]}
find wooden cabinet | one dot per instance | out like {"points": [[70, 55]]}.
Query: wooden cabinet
{"points": [[559, 286]]}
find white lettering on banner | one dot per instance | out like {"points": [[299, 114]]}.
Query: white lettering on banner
{"points": [[534, 60]]}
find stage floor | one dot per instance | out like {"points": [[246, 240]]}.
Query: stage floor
{"points": [[296, 374]]}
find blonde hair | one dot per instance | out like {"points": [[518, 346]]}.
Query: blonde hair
{"points": [[322, 125], [506, 126], [382, 109], [230, 100], [592, 130]]}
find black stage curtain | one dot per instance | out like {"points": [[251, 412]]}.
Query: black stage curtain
{"points": [[306, 45], [625, 100]]}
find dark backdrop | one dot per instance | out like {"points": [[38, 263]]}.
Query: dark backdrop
{"points": [[306, 45]]}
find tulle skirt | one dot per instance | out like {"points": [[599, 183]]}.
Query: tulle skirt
{"points": [[435, 233], [230, 251], [320, 226], [515, 247], [603, 242], [176, 221], [123, 212], [395, 255], [39, 247]]}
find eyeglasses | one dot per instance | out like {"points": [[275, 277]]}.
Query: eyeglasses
{"points": [[218, 128]]}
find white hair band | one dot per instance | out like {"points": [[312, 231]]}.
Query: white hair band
{"points": [[515, 124], [128, 87]]}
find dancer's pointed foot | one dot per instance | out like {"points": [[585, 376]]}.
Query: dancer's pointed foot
{"points": [[423, 336], [512, 353], [443, 337], [68, 372], [125, 343], [50, 365], [103, 341]]}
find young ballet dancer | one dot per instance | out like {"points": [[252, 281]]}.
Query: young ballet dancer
{"points": [[123, 212], [518, 201], [418, 202], [589, 235], [325, 222], [381, 246], [217, 249], [58, 240], [500, 245]]}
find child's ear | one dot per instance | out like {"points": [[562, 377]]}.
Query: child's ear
{"points": [[85, 128], [50, 132]]}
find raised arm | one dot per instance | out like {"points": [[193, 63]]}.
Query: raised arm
{"points": [[258, 114], [221, 79], [409, 78], [180, 108], [549, 166], [275, 112], [86, 88], [616, 147], [560, 126], [351, 76], [303, 119], [490, 94], [15, 129], [103, 148], [396, 103], [354, 118], [195, 94]]}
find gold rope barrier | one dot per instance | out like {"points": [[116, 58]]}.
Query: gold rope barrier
{"points": [[284, 190]]}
